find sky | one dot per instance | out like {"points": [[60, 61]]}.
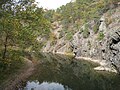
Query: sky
{"points": [[52, 4]]}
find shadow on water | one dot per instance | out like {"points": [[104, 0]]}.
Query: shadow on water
{"points": [[59, 72]]}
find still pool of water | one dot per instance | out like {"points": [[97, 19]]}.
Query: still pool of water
{"points": [[35, 85], [59, 72]]}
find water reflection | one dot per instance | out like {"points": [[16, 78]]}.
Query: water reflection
{"points": [[35, 85], [76, 74]]}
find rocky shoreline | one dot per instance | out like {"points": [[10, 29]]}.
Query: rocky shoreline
{"points": [[102, 63], [102, 47]]}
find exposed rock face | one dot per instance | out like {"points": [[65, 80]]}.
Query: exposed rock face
{"points": [[91, 46], [102, 26], [111, 47], [106, 49], [112, 51]]}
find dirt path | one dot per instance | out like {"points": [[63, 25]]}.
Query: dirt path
{"points": [[15, 82]]}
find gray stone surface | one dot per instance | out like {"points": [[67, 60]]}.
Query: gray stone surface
{"points": [[112, 50], [107, 50]]}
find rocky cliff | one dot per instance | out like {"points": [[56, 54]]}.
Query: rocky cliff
{"points": [[97, 39]]}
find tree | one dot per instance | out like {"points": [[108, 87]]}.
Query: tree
{"points": [[20, 24]]}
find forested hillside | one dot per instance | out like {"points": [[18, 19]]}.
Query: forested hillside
{"points": [[86, 28], [83, 28], [76, 14]]}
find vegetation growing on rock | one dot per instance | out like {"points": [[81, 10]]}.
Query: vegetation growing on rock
{"points": [[86, 31], [100, 36], [72, 28]]}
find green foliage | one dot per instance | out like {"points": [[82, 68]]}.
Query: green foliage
{"points": [[83, 11], [69, 36], [96, 28], [49, 14], [86, 32], [101, 36], [11, 65], [21, 22], [20, 25], [12, 56]]}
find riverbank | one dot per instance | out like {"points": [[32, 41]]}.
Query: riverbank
{"points": [[20, 78], [103, 64], [17, 80], [72, 73]]}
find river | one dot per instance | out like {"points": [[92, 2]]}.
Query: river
{"points": [[59, 72]]}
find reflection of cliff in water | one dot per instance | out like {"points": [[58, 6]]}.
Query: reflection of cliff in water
{"points": [[76, 74], [45, 86]]}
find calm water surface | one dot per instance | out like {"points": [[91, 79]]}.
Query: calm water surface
{"points": [[59, 72]]}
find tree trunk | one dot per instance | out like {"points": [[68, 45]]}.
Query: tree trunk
{"points": [[5, 47]]}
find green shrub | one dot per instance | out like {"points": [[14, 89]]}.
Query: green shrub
{"points": [[69, 36], [95, 28], [101, 36], [81, 30], [86, 32]]}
